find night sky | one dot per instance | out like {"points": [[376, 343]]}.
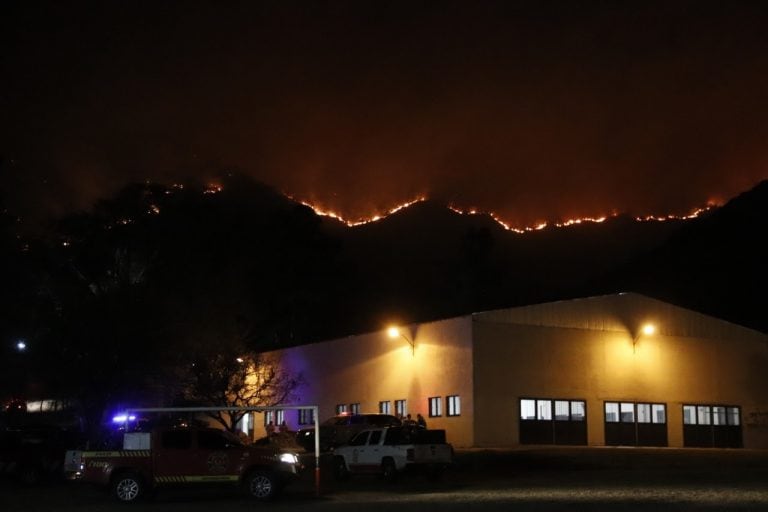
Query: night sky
{"points": [[535, 110]]}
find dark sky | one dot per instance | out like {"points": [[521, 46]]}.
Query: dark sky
{"points": [[537, 110]]}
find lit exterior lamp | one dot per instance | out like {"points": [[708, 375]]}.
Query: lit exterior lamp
{"points": [[394, 332], [645, 330]]}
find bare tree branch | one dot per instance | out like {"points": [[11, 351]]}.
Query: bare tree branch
{"points": [[238, 378]]}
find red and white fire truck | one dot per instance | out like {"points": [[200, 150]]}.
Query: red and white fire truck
{"points": [[192, 456]]}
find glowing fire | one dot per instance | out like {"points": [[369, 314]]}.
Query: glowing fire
{"points": [[359, 222], [538, 227], [213, 188]]}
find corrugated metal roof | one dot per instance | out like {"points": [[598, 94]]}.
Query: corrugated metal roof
{"points": [[625, 312]]}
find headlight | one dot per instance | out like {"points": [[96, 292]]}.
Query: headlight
{"points": [[290, 458]]}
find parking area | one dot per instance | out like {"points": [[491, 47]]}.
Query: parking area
{"points": [[530, 479]]}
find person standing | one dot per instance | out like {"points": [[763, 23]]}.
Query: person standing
{"points": [[420, 421]]}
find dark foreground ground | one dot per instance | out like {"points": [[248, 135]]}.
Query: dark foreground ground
{"points": [[540, 479]]}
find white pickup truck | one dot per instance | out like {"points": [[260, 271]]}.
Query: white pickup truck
{"points": [[392, 450]]}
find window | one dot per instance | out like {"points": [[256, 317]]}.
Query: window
{"points": [[643, 413], [177, 439], [716, 415], [359, 439], [341, 408], [435, 407], [385, 407], [733, 416], [627, 412], [689, 415], [354, 408], [275, 417], [401, 407], [578, 410], [527, 409], [454, 405], [244, 424], [306, 417], [703, 415], [375, 437], [631, 412], [212, 440], [543, 409], [561, 410]]}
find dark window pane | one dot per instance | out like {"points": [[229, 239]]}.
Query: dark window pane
{"points": [[177, 439]]}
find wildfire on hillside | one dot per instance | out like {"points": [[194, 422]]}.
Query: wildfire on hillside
{"points": [[538, 227], [215, 188], [360, 222]]}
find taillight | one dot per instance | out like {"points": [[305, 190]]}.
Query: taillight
{"points": [[409, 454]]}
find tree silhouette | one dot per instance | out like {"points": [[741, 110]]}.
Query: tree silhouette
{"points": [[231, 378]]}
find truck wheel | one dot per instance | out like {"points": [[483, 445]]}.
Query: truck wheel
{"points": [[340, 471], [261, 485], [127, 487], [388, 470]]}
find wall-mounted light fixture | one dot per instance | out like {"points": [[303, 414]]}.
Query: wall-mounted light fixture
{"points": [[394, 332], [645, 330]]}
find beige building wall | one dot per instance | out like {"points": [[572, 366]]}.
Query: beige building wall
{"points": [[590, 349], [587, 349], [370, 368]]}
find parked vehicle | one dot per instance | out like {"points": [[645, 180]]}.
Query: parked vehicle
{"points": [[393, 450], [188, 456], [32, 446], [339, 429]]}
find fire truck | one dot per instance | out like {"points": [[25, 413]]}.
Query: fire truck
{"points": [[187, 456]]}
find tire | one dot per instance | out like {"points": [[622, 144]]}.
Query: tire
{"points": [[128, 487], [340, 470], [261, 485], [388, 470]]}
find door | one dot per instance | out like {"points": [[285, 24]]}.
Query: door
{"points": [[359, 456], [369, 455], [172, 451], [217, 458]]}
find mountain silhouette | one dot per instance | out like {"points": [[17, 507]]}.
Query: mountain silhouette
{"points": [[291, 276], [715, 264]]}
